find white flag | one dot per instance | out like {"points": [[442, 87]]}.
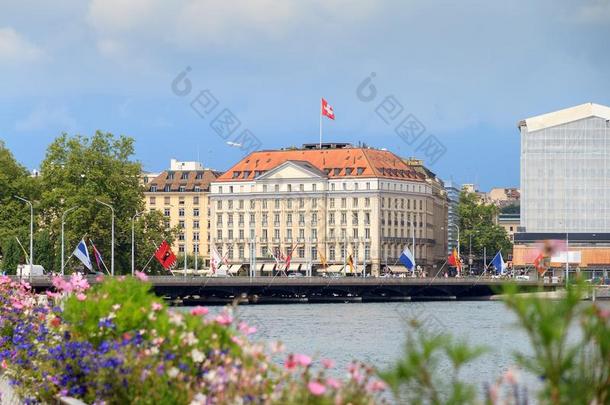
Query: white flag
{"points": [[82, 254]]}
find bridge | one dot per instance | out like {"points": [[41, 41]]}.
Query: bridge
{"points": [[262, 290]]}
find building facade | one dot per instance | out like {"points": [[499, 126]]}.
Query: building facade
{"points": [[565, 186], [328, 205], [182, 195], [452, 190]]}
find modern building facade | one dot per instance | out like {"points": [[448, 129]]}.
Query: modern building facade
{"points": [[327, 205], [181, 194], [452, 190], [565, 185]]}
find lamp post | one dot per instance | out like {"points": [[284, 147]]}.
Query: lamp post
{"points": [[31, 233], [112, 238], [133, 242], [63, 222]]}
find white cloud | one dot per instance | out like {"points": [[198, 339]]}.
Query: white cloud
{"points": [[14, 48], [53, 120], [197, 23], [595, 11]]}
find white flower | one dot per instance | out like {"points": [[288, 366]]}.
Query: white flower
{"points": [[197, 356], [189, 338], [199, 399], [173, 372], [175, 318]]}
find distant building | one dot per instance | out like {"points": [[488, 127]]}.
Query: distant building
{"points": [[503, 197], [510, 223], [453, 197], [565, 193], [181, 194], [325, 205]]}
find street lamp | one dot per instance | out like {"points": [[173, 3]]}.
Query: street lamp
{"points": [[133, 242], [112, 238], [31, 233], [63, 221]]}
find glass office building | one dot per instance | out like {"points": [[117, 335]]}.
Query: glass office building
{"points": [[565, 171]]}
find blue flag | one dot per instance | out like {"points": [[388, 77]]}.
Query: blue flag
{"points": [[498, 263], [407, 259], [82, 254]]}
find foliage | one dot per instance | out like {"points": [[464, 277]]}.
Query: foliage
{"points": [[477, 221], [571, 344], [511, 209], [116, 343], [14, 215], [418, 379]]}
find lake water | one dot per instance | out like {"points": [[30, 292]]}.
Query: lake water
{"points": [[375, 332]]}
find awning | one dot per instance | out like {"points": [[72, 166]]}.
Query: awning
{"points": [[333, 268], [234, 268], [259, 267], [267, 267], [398, 269], [294, 267]]}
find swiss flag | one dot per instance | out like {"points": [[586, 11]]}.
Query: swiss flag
{"points": [[327, 110]]}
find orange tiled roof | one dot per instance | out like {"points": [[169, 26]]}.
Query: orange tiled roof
{"points": [[190, 181], [335, 163]]}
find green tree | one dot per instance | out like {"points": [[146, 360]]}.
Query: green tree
{"points": [[511, 209], [14, 214], [477, 220], [79, 170]]}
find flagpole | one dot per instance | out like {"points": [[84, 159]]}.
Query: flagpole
{"points": [[414, 259], [320, 129]]}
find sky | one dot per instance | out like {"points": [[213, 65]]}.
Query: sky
{"points": [[464, 72]]}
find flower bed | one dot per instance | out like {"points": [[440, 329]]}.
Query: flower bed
{"points": [[117, 343]]}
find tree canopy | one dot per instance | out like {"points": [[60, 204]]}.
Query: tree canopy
{"points": [[478, 220], [75, 173]]}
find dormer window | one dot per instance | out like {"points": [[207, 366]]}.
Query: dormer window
{"points": [[185, 176], [167, 188], [327, 171], [170, 176], [360, 170], [336, 171], [197, 189], [182, 189], [348, 171], [236, 174], [199, 176], [153, 188], [247, 174]]}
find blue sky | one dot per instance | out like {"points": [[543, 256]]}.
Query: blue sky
{"points": [[468, 71]]}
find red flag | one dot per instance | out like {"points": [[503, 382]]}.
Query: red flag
{"points": [[165, 256], [539, 263], [327, 110]]}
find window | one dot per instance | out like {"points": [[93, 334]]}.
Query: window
{"points": [[348, 171], [367, 233], [195, 212], [288, 233], [289, 187], [314, 233], [301, 233], [252, 219], [301, 219], [332, 203], [170, 175], [241, 204], [230, 203], [332, 186], [359, 171], [153, 189], [301, 187], [231, 234], [355, 203], [288, 219], [181, 200], [230, 221], [314, 187], [252, 204], [264, 188], [367, 202], [264, 218], [181, 224], [331, 253], [289, 203], [167, 188], [181, 212], [264, 234], [265, 204], [343, 202], [196, 198], [166, 212], [276, 233], [331, 218], [166, 200], [219, 204], [152, 200], [219, 233], [241, 234], [301, 252], [181, 236], [368, 185], [196, 224], [276, 188], [181, 248], [195, 235], [277, 204], [355, 233], [314, 253], [301, 203]]}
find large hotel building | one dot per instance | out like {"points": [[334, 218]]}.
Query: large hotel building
{"points": [[328, 206]]}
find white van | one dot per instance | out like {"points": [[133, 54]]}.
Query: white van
{"points": [[23, 270]]}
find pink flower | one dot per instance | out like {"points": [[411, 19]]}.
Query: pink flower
{"points": [[510, 377], [141, 276], [316, 388], [290, 362], [333, 383], [18, 305], [302, 360], [3, 364], [376, 386], [99, 278], [199, 311], [246, 329], [603, 313], [224, 319], [328, 363], [156, 306], [52, 294], [81, 297], [79, 283]]}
